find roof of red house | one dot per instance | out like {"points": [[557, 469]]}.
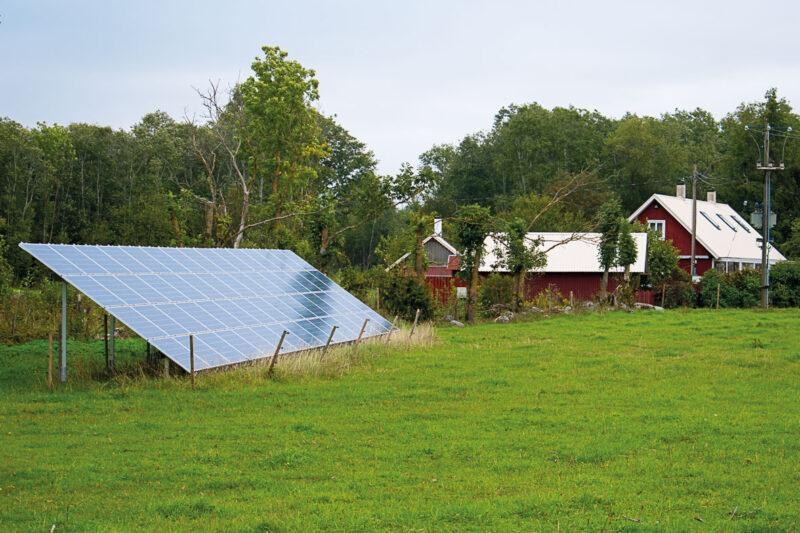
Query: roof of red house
{"points": [[720, 230]]}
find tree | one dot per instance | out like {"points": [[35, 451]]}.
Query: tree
{"points": [[472, 227], [791, 248], [627, 248], [6, 274], [279, 127], [662, 259], [609, 227], [520, 255], [645, 157], [420, 222], [266, 132], [532, 146], [741, 149]]}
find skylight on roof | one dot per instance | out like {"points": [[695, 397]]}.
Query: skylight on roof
{"points": [[709, 219], [735, 219], [726, 222]]}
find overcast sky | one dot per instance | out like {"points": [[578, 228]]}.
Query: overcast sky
{"points": [[400, 76]]}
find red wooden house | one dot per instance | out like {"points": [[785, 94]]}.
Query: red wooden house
{"points": [[724, 240]]}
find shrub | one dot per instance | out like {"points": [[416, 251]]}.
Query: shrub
{"points": [[495, 292], [404, 295], [354, 281], [728, 294], [784, 280], [737, 289], [548, 298], [626, 291], [748, 284], [679, 294]]}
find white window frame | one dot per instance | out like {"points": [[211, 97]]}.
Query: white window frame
{"points": [[658, 225]]}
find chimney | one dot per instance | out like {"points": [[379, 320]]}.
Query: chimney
{"points": [[437, 226], [711, 197], [681, 191]]}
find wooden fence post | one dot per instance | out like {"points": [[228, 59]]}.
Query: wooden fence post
{"points": [[191, 357], [330, 337], [571, 300], [389, 335], [275, 357], [414, 327], [360, 333], [663, 293]]}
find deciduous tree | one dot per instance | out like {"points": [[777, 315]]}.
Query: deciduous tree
{"points": [[472, 226]]}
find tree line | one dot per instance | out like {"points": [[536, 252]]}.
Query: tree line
{"points": [[263, 168]]}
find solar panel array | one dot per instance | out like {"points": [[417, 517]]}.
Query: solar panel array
{"points": [[236, 302]]}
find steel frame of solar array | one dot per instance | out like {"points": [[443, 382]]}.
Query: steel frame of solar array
{"points": [[236, 303]]}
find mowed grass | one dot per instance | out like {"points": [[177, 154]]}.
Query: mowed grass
{"points": [[625, 422]]}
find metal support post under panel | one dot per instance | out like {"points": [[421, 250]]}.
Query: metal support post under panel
{"points": [[63, 366], [111, 350]]}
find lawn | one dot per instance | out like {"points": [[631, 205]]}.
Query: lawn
{"points": [[653, 421]]}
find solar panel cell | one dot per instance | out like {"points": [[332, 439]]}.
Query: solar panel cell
{"points": [[182, 317], [97, 291]]}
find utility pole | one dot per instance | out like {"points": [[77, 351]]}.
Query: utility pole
{"points": [[767, 166], [693, 267]]}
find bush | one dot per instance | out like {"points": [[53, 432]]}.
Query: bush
{"points": [[748, 283], [626, 291], [680, 294], [496, 292], [738, 289], [784, 280], [548, 298], [353, 281], [404, 295]]}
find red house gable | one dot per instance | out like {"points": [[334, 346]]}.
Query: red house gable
{"points": [[680, 237]]}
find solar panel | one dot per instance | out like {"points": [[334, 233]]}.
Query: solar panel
{"points": [[235, 302]]}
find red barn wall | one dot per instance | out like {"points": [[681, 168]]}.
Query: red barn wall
{"points": [[583, 285], [681, 239]]}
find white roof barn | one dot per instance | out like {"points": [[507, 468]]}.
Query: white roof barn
{"points": [[566, 252]]}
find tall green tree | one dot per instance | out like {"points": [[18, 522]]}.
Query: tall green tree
{"points": [[279, 129], [627, 250], [742, 148], [472, 226], [421, 223], [609, 227], [645, 157], [520, 256]]}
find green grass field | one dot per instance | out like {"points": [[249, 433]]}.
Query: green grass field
{"points": [[617, 422]]}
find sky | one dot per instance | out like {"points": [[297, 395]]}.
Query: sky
{"points": [[399, 76]]}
